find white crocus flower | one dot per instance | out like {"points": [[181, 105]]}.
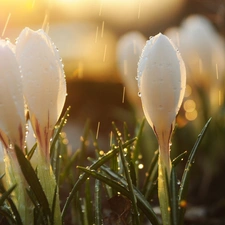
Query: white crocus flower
{"points": [[12, 113], [44, 82], [162, 81], [202, 50], [129, 49], [45, 92], [12, 127]]}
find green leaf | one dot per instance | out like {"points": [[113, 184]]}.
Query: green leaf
{"points": [[182, 195], [58, 130], [6, 194], [151, 178], [7, 214], [32, 180], [138, 142], [117, 132], [31, 152], [130, 187], [132, 173], [164, 192], [88, 202], [178, 159], [97, 199], [174, 196], [54, 205], [95, 165], [142, 203]]}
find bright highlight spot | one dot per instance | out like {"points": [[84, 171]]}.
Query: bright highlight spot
{"points": [[189, 105], [191, 115], [188, 91]]}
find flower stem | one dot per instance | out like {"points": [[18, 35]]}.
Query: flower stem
{"points": [[48, 182], [13, 175], [163, 186]]}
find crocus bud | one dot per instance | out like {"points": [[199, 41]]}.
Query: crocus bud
{"points": [[43, 81], [162, 78], [45, 92], [12, 113], [202, 50], [129, 49]]}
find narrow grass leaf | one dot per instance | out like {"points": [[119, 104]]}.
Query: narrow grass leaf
{"points": [[32, 180], [97, 199], [53, 205], [151, 176], [6, 213], [142, 203], [174, 196], [15, 212], [88, 202], [117, 132], [182, 194], [58, 130], [133, 175], [95, 165], [138, 142], [31, 152], [178, 159], [6, 194], [130, 187]]}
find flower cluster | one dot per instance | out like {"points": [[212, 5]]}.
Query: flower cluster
{"points": [[33, 85]]}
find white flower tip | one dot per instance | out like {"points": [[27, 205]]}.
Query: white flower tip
{"points": [[162, 81]]}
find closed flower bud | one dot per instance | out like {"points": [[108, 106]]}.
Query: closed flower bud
{"points": [[43, 81], [129, 49], [45, 92], [202, 50], [12, 113], [162, 80]]}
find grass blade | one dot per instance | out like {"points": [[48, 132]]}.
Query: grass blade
{"points": [[88, 202], [185, 178], [95, 165], [130, 187], [58, 130], [6, 194], [174, 197], [15, 212], [97, 203], [31, 152], [138, 142], [142, 203], [151, 176], [32, 180], [178, 159]]}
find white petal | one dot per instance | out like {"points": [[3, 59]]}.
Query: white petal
{"points": [[162, 80], [12, 113], [43, 77], [129, 49], [201, 48]]}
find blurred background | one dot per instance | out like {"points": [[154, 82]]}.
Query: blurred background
{"points": [[87, 33]]}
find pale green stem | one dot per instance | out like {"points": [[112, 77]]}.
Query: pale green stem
{"points": [[48, 182], [164, 179], [13, 175]]}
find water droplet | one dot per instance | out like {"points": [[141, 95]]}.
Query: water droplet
{"points": [[139, 94]]}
